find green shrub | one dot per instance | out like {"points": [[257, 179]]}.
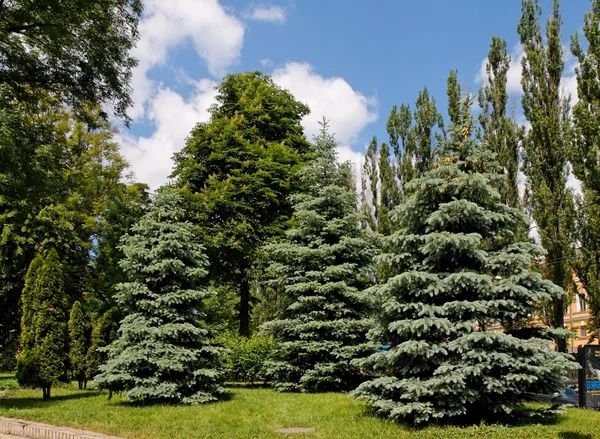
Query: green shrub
{"points": [[246, 357]]}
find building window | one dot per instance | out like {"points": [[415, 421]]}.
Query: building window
{"points": [[581, 302], [582, 332]]}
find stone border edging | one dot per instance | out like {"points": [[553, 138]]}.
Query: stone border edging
{"points": [[35, 430]]}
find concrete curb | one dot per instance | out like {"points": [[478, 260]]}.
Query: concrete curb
{"points": [[35, 430]]}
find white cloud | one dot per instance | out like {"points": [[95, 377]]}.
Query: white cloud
{"points": [[347, 110], [267, 13], [217, 38], [266, 62], [174, 118]]}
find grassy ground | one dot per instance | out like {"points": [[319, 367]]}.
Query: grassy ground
{"points": [[256, 413]]}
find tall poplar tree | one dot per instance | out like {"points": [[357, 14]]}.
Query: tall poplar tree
{"points": [[322, 268], [238, 169], [402, 141], [426, 117], [499, 130], [546, 148], [459, 271], [584, 158]]}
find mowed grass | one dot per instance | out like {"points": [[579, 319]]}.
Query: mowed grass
{"points": [[256, 413]]}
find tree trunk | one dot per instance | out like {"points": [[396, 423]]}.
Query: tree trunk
{"points": [[80, 384], [245, 307]]}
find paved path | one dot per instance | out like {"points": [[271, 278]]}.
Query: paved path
{"points": [[9, 436]]}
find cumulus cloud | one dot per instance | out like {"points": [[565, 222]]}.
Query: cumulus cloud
{"points": [[347, 110], [267, 13], [174, 118], [217, 38]]}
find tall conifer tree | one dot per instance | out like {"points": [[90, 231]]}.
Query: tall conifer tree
{"points": [[78, 344], [163, 355], [322, 267], [462, 273], [43, 360]]}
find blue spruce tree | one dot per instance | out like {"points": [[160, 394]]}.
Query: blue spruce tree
{"points": [[163, 354], [459, 314], [322, 268]]}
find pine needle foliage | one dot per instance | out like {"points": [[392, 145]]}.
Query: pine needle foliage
{"points": [[163, 355], [458, 316], [322, 268]]}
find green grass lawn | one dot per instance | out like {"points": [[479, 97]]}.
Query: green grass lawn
{"points": [[256, 413]]}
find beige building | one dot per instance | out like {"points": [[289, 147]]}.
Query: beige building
{"points": [[576, 318]]}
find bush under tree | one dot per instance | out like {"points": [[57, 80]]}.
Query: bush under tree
{"points": [[458, 316], [163, 355], [322, 269]]}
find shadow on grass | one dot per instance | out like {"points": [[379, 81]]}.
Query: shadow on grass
{"points": [[27, 403], [573, 435], [521, 417], [227, 396]]}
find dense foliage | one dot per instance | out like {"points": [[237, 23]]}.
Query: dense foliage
{"points": [[238, 169], [78, 49]]}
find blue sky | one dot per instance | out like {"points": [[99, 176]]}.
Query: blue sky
{"points": [[349, 60]]}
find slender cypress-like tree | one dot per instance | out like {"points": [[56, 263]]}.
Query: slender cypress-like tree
{"points": [[163, 355], [463, 274], [43, 360], [78, 344], [546, 149], [322, 268]]}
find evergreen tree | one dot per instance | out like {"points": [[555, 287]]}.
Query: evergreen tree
{"points": [[499, 130], [162, 354], [322, 268], [238, 171], [584, 158], [546, 149], [43, 360], [462, 273], [78, 344]]}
